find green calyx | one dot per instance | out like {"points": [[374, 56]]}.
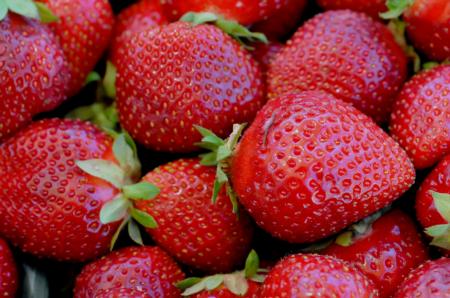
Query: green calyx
{"points": [[27, 8], [123, 175], [397, 28], [236, 282], [441, 233], [396, 8], [219, 156], [232, 28]]}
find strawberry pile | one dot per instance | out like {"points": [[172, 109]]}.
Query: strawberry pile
{"points": [[221, 148]]}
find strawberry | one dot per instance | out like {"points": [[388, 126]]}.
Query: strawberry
{"points": [[316, 276], [8, 271], [432, 205], [34, 74], [344, 53], [373, 8], [385, 248], [420, 120], [431, 279], [310, 165], [265, 53], [146, 269], [121, 293], [245, 12], [84, 30], [133, 19], [184, 74], [199, 233]]}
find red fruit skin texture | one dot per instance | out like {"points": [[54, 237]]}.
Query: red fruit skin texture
{"points": [[316, 276], [84, 31], [181, 75], [344, 53], [430, 280], [146, 269], [311, 165], [121, 293], [439, 181], [244, 12], [133, 19], [428, 27], [8, 271], [420, 120], [197, 232], [373, 7], [387, 253], [48, 206], [253, 291], [265, 53], [33, 72]]}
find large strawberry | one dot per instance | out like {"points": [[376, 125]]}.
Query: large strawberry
{"points": [[433, 205], [420, 120], [312, 275], [344, 53], [385, 248], [372, 7], [33, 72], [431, 279], [143, 269], [185, 74], [198, 232], [8, 271]]}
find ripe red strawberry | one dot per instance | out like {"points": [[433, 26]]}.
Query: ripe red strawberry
{"points": [[121, 293], [435, 218], [265, 53], [420, 120], [33, 72], [147, 269], [344, 53], [386, 250], [133, 19], [431, 279], [84, 30], [245, 12], [181, 75], [310, 165], [372, 8], [198, 232], [8, 271], [316, 276]]}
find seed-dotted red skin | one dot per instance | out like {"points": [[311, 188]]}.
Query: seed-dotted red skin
{"points": [[265, 53], [438, 181], [428, 27], [121, 293], [347, 54], [49, 207], [84, 31], [316, 276], [254, 291], [181, 75], [145, 268], [133, 19], [8, 271], [372, 7], [203, 235], [33, 72], [283, 22], [420, 120], [245, 12], [431, 279], [386, 253], [310, 165]]}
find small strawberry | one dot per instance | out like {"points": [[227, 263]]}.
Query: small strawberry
{"points": [[420, 120], [344, 53], [316, 276], [202, 234], [8, 271], [385, 247], [185, 74], [143, 269], [133, 19], [431, 279], [433, 205], [373, 7], [245, 12]]}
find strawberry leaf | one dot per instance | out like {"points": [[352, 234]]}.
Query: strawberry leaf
{"points": [[344, 239], [213, 282], [93, 76], [134, 232], [126, 157], [109, 81], [199, 18], [251, 264], [45, 14], [117, 233], [103, 169], [3, 9], [187, 283], [114, 210], [236, 283], [26, 8], [395, 8], [140, 191], [143, 218], [437, 230], [442, 204]]}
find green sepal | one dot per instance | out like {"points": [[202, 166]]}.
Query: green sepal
{"points": [[429, 65], [259, 278], [395, 8], [3, 9], [134, 232], [103, 115], [26, 8], [199, 18], [143, 218], [440, 234], [126, 156], [221, 179], [442, 204], [93, 76], [187, 283], [236, 283], [397, 28], [45, 14], [233, 198], [103, 169], [117, 233], [114, 210], [208, 283], [109, 81], [140, 191], [344, 239], [251, 264]]}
